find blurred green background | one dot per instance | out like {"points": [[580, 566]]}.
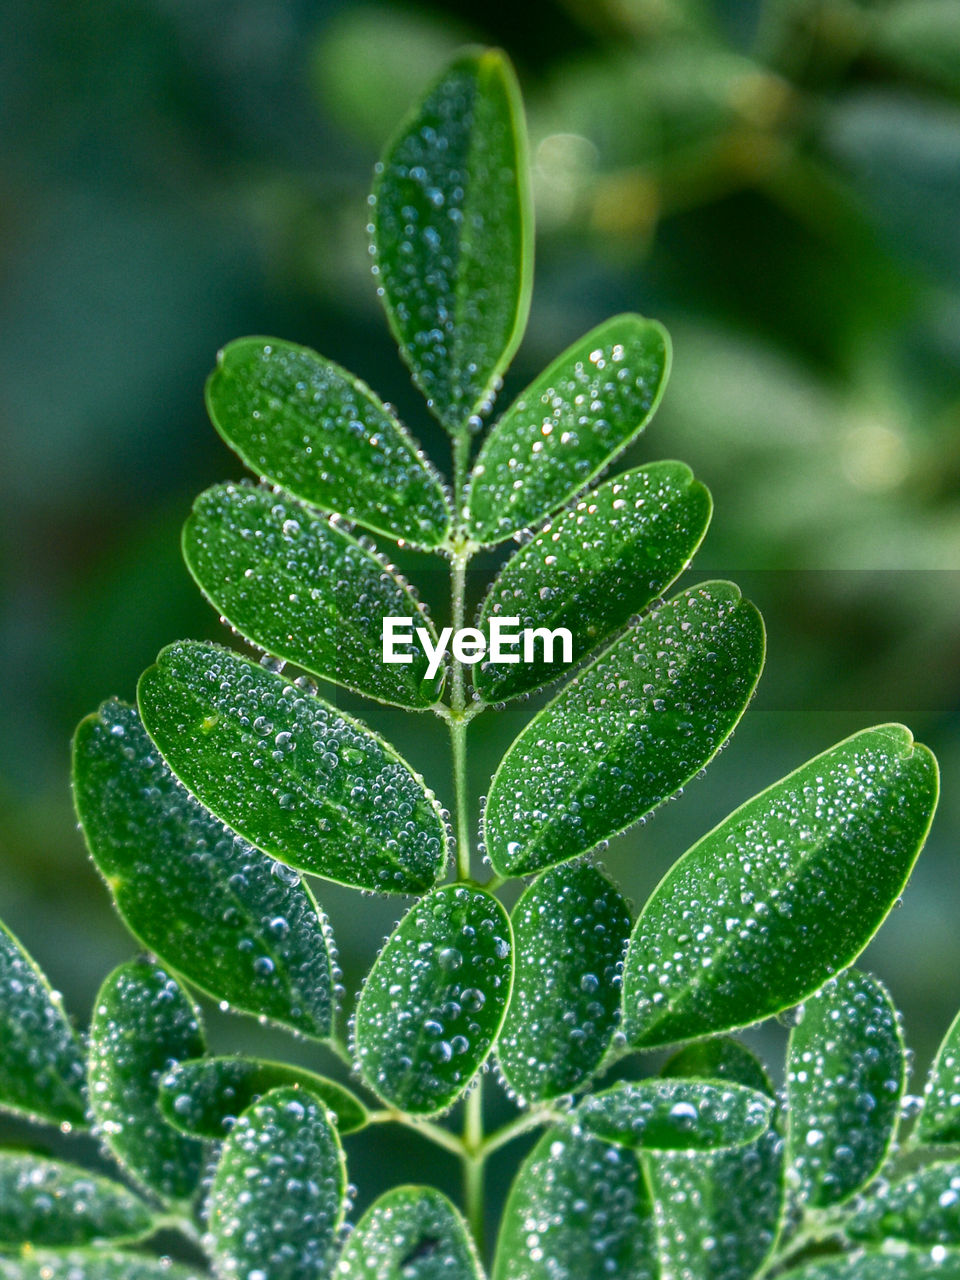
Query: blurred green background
{"points": [[777, 180]]}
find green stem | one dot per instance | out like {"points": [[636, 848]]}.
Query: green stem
{"points": [[520, 1124], [474, 1160], [427, 1129]]}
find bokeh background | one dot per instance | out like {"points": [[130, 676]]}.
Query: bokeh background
{"points": [[777, 180]]}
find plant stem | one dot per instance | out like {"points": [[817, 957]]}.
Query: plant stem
{"points": [[427, 1129], [458, 722], [474, 1160]]}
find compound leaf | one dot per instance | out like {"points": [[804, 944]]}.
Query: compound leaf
{"points": [[922, 1208], [41, 1060], [569, 424], [845, 1078], [95, 1265], [899, 1264], [453, 235], [203, 900], [434, 1002], [772, 902], [675, 1115], [48, 1204], [578, 1209], [279, 1191], [635, 725], [204, 1097], [310, 787], [940, 1118], [143, 1023], [720, 1058], [298, 586], [594, 567], [571, 927], [411, 1233], [303, 423]]}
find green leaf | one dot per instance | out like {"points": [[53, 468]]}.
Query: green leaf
{"points": [[45, 1203], [899, 1264], [204, 1097], [41, 1061], [578, 1210], [772, 902], [720, 1058], [303, 423], [569, 424], [594, 567], [453, 235], [80, 1265], [631, 729], [296, 585], [434, 1001], [845, 1078], [201, 899], [675, 1115], [571, 928], [923, 1208], [921, 37], [411, 1233], [279, 1191], [940, 1118], [143, 1023], [310, 787]]}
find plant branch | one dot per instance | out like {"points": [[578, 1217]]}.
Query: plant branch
{"points": [[426, 1128], [474, 1159]]}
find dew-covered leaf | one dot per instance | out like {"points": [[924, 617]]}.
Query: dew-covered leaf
{"points": [[41, 1061], [143, 1023], [411, 1233], [632, 728], [893, 1264], [845, 1078], [299, 587], [95, 1265], [922, 1208], [279, 1191], [720, 1058], [434, 1001], [453, 235], [570, 928], [569, 424], [310, 787], [303, 423], [204, 1097], [578, 1210], [675, 1115], [940, 1118], [201, 899], [784, 893], [48, 1204], [593, 568]]}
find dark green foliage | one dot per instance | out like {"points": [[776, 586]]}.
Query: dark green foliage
{"points": [[47, 1204], [411, 1233]]}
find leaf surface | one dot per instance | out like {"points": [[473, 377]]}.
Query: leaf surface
{"points": [[48, 1204], [299, 587], [632, 728], [571, 927], [279, 1191], [675, 1115], [81, 1265], [284, 769], [772, 902], [569, 424], [897, 1264], [411, 1233], [143, 1023], [303, 423], [720, 1058], [199, 897], [594, 567], [453, 235], [940, 1118], [434, 1002], [41, 1061]]}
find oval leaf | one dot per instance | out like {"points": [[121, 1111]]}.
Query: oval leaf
{"points": [[571, 928], [200, 898], [308, 786], [923, 1208], [568, 425], [578, 1210], [296, 585], [434, 1001], [79, 1265], [48, 1204], [675, 1115], [279, 1191], [637, 724], [41, 1061], [411, 1233], [142, 1024], [204, 1097], [720, 1058], [453, 235], [940, 1118], [845, 1079], [772, 902], [899, 1264], [303, 423], [594, 567]]}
